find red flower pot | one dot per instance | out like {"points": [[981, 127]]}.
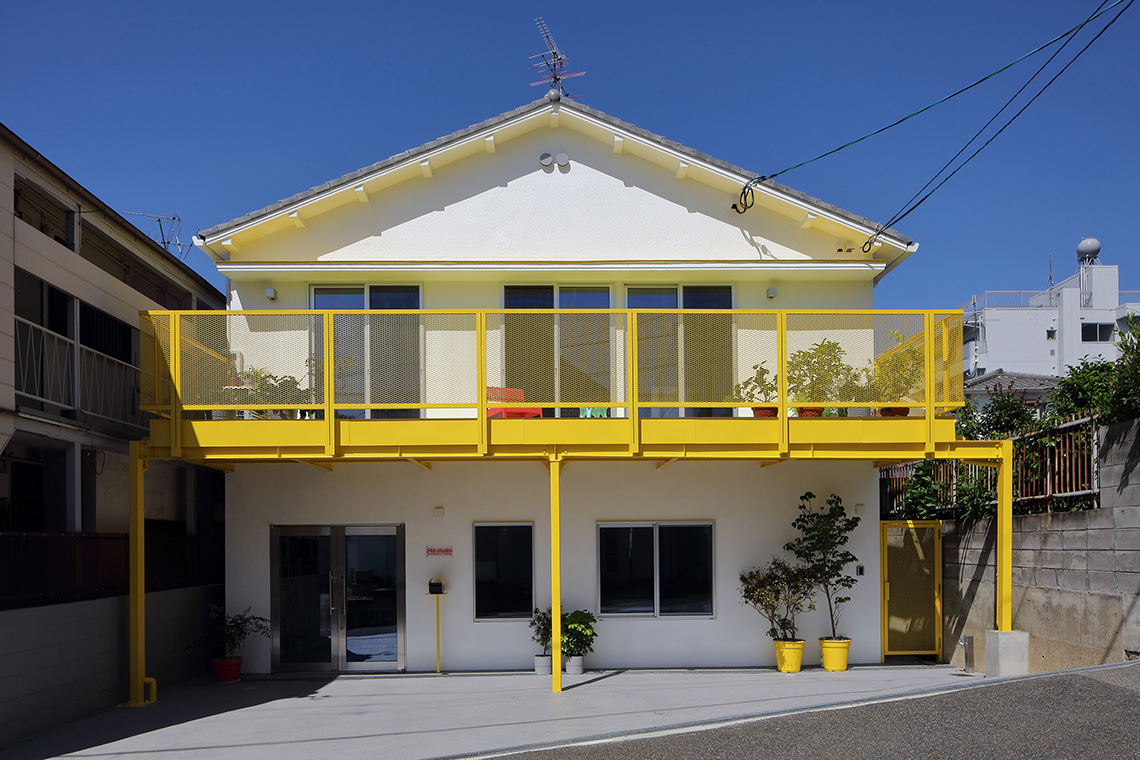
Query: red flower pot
{"points": [[810, 411], [763, 411], [227, 670], [894, 411]]}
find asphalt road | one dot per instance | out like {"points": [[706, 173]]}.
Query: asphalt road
{"points": [[1087, 714]]}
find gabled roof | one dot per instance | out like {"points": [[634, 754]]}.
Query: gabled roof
{"points": [[471, 139], [408, 155], [1003, 381]]}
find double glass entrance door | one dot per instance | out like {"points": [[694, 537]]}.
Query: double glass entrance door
{"points": [[338, 597]]}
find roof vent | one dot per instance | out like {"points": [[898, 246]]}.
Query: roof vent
{"points": [[1088, 250], [554, 95]]}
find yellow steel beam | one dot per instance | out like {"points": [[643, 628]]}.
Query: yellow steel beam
{"points": [[555, 575], [1004, 559], [138, 681]]}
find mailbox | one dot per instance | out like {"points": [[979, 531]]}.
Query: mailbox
{"points": [[435, 585]]}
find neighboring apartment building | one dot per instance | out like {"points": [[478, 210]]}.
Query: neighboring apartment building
{"points": [[504, 359], [1043, 333], [73, 277]]}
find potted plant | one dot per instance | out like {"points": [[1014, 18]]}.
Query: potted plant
{"points": [[578, 636], [540, 624], [823, 534], [761, 388], [779, 591], [816, 374], [225, 635], [898, 373]]}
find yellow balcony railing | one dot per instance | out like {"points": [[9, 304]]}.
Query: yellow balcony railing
{"points": [[486, 365]]}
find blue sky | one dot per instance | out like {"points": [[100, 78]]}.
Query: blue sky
{"points": [[211, 109]]}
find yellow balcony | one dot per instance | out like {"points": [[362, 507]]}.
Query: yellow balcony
{"points": [[330, 385]]}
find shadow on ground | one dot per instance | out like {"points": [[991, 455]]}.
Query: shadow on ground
{"points": [[183, 702]]}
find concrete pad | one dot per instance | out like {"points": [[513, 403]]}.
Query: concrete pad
{"points": [[1007, 653], [416, 716]]}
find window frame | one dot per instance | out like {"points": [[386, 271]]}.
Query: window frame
{"points": [[657, 614], [475, 574]]}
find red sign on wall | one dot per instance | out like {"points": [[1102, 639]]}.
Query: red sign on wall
{"points": [[440, 551]]}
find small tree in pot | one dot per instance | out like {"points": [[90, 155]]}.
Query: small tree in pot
{"points": [[541, 625], [823, 534], [578, 636], [225, 635], [779, 591], [761, 388]]}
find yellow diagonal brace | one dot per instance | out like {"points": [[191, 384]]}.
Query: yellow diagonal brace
{"points": [[555, 576]]}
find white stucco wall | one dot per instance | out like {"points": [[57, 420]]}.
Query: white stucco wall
{"points": [[507, 207], [752, 509]]}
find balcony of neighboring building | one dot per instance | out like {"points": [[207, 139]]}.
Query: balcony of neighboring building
{"points": [[424, 384]]}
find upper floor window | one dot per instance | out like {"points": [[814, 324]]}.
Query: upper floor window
{"points": [[40, 210], [1094, 332]]}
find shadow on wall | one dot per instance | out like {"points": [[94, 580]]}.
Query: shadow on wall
{"points": [[182, 703], [1116, 436], [959, 601]]}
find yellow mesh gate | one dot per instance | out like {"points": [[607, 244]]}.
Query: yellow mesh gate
{"points": [[912, 586]]}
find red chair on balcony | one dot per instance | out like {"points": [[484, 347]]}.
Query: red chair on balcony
{"points": [[509, 394]]}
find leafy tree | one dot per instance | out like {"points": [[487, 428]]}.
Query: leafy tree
{"points": [[1124, 402], [823, 534], [1085, 386], [924, 494], [779, 591], [1006, 413]]}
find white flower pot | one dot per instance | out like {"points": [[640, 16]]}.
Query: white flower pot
{"points": [[542, 664], [575, 665]]}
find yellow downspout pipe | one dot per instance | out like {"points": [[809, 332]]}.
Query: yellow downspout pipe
{"points": [[1003, 591], [139, 683], [555, 576]]}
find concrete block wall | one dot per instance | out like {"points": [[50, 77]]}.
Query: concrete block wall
{"points": [[64, 661], [1076, 575]]}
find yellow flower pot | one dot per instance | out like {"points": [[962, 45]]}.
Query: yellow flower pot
{"points": [[789, 656], [835, 654]]}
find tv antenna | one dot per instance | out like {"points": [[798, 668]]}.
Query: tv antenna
{"points": [[169, 231], [553, 61]]}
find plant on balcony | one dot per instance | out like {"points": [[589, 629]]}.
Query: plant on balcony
{"points": [[263, 387], [761, 388], [819, 374], [898, 373], [820, 546], [779, 591]]}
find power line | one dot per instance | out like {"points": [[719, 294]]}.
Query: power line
{"points": [[907, 211], [747, 194]]}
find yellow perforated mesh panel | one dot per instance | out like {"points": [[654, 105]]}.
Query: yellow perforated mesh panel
{"points": [[154, 362], [912, 574], [238, 359], [404, 358], [856, 358], [700, 358], [558, 357], [948, 358]]}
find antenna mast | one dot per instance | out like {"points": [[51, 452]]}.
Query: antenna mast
{"points": [[168, 235], [553, 61]]}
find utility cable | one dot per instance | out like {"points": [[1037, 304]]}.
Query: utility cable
{"points": [[898, 214], [899, 217], [747, 194]]}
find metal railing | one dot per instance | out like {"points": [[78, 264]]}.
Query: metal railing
{"points": [[1022, 299], [587, 363], [103, 386]]}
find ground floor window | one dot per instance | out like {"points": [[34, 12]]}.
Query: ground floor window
{"points": [[504, 571], [658, 569]]}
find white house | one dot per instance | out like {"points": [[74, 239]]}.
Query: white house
{"points": [[506, 360]]}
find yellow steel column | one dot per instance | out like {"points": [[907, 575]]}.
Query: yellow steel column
{"points": [[782, 378], [176, 384], [928, 378], [632, 381], [1003, 565], [329, 380], [555, 576], [137, 633], [481, 379]]}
